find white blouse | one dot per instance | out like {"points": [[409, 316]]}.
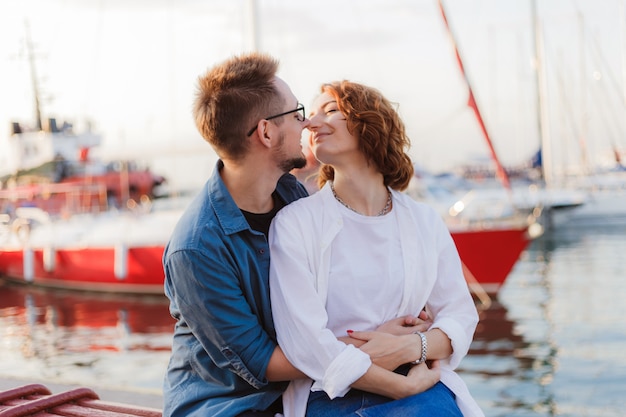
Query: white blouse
{"points": [[332, 270]]}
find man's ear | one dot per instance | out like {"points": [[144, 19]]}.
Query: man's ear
{"points": [[264, 133]]}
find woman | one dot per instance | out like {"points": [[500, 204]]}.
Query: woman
{"points": [[358, 253]]}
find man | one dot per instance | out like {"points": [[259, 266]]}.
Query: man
{"points": [[225, 359]]}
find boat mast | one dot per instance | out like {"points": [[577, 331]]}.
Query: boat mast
{"points": [[33, 75], [542, 109], [253, 25], [622, 14], [582, 140]]}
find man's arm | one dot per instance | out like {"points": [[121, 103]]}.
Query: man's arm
{"points": [[389, 384], [280, 369], [208, 295]]}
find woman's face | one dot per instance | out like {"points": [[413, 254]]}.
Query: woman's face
{"points": [[330, 140]]}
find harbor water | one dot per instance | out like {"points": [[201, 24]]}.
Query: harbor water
{"points": [[552, 343]]}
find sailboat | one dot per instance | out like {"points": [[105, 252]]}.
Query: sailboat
{"points": [[489, 245]]}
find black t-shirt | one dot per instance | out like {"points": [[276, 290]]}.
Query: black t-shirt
{"points": [[261, 222]]}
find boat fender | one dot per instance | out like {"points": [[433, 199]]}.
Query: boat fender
{"points": [[29, 264], [5, 227], [21, 228], [49, 258], [121, 261]]}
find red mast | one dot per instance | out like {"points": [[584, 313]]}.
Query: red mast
{"points": [[471, 102]]}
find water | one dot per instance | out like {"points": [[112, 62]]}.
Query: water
{"points": [[551, 344], [93, 340]]}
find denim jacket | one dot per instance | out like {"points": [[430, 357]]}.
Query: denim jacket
{"points": [[217, 281]]}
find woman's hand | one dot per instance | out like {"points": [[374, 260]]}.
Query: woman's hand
{"points": [[386, 350], [406, 324]]}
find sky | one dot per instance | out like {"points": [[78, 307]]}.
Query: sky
{"points": [[129, 69]]}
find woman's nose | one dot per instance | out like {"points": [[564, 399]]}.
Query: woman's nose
{"points": [[313, 121]]}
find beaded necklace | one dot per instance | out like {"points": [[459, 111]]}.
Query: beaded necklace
{"points": [[384, 211]]}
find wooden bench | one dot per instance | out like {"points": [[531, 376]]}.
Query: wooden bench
{"points": [[37, 400]]}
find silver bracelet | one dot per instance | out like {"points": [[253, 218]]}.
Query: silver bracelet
{"points": [[424, 349]]}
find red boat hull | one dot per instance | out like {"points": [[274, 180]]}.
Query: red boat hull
{"points": [[489, 256], [91, 269]]}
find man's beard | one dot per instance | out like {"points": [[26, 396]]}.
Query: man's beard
{"points": [[288, 164]]}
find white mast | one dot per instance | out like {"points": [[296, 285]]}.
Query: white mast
{"points": [[542, 108], [584, 128], [623, 30], [33, 74], [253, 30]]}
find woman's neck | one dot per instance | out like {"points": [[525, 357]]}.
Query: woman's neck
{"points": [[363, 192]]}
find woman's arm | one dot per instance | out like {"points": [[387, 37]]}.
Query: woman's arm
{"points": [[385, 348], [280, 369], [389, 351]]}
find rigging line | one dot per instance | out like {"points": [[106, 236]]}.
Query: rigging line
{"points": [[607, 94], [569, 114], [622, 20], [611, 128], [598, 51]]}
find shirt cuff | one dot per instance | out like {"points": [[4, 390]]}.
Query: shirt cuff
{"points": [[350, 365]]}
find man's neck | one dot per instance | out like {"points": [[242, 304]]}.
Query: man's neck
{"points": [[251, 185]]}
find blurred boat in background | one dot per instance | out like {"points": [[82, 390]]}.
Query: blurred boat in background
{"points": [[70, 221], [114, 251], [605, 200], [42, 165], [489, 230]]}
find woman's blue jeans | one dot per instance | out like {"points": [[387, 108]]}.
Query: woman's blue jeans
{"points": [[438, 401]]}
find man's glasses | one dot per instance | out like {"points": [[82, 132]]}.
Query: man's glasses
{"points": [[301, 116]]}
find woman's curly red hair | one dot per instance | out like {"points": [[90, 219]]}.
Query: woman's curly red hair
{"points": [[380, 131]]}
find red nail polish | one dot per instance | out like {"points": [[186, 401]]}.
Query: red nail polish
{"points": [[349, 331]]}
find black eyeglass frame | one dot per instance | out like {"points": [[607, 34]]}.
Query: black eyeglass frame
{"points": [[300, 108]]}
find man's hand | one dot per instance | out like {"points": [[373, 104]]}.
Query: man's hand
{"points": [[422, 377], [389, 384], [406, 324]]}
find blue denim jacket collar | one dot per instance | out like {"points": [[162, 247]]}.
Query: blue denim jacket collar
{"points": [[228, 214]]}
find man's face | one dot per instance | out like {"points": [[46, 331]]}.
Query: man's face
{"points": [[288, 152]]}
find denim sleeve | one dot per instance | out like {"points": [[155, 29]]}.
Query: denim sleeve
{"points": [[213, 300]]}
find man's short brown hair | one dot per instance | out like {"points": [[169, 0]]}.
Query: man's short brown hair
{"points": [[231, 97]]}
